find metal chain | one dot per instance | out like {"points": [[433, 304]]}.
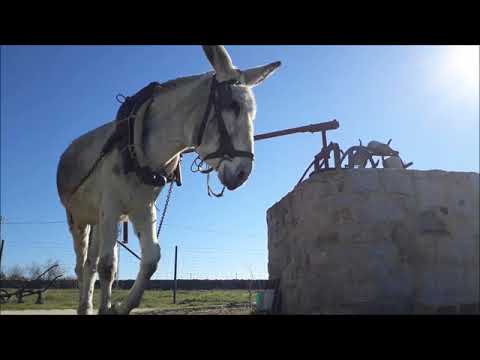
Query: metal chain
{"points": [[170, 189]]}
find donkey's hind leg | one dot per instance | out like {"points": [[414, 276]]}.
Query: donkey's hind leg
{"points": [[107, 265], [80, 243], [89, 273]]}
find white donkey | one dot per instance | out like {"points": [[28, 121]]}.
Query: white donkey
{"points": [[117, 171]]}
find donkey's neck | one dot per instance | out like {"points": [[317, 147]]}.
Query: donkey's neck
{"points": [[174, 119]]}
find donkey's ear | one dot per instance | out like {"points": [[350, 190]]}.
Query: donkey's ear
{"points": [[219, 59], [254, 76]]}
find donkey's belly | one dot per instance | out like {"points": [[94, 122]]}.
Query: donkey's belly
{"points": [[84, 205]]}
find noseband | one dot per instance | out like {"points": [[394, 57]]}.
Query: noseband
{"points": [[221, 98]]}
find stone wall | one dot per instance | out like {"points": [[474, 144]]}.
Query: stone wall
{"points": [[377, 241]]}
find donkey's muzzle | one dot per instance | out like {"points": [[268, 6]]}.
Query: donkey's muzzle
{"points": [[234, 176]]}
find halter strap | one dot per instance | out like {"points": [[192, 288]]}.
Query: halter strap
{"points": [[211, 99], [226, 148]]}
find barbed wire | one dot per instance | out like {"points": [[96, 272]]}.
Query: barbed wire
{"points": [[194, 263], [167, 224], [200, 262]]}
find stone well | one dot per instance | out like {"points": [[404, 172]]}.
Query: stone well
{"points": [[375, 241]]}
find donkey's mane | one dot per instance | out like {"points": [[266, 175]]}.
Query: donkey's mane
{"points": [[179, 82]]}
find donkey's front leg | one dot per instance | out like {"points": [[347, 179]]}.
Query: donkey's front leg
{"points": [[107, 265], [144, 221]]}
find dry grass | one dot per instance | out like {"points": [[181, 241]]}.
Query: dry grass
{"points": [[154, 299]]}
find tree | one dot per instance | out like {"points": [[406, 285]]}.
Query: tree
{"points": [[16, 272], [34, 270], [56, 271]]}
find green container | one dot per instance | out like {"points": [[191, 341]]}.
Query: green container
{"points": [[259, 301]]}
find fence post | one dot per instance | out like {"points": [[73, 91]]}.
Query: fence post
{"points": [[118, 265], [1, 247], [1, 252], [175, 278]]}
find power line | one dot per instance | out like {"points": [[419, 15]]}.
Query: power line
{"points": [[204, 230], [33, 222]]}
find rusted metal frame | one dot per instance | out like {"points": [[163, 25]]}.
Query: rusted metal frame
{"points": [[24, 291]]}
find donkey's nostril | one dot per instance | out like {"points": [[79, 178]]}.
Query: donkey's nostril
{"points": [[241, 174]]}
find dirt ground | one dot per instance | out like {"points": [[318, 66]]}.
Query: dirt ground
{"points": [[218, 310]]}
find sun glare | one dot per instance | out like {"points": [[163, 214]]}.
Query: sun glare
{"points": [[461, 65]]}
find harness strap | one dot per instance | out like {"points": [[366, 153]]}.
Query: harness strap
{"points": [[144, 173]]}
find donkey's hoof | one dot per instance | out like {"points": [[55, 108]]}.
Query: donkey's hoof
{"points": [[116, 309], [85, 310]]}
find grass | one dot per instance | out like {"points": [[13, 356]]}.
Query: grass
{"points": [[154, 299]]}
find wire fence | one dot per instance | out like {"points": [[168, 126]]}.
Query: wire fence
{"points": [[209, 262]]}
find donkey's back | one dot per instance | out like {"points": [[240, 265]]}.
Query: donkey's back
{"points": [[79, 158]]}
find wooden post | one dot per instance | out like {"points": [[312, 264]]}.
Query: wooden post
{"points": [[175, 278]]}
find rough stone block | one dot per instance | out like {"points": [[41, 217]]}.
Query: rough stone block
{"points": [[362, 180], [397, 181], [377, 241]]}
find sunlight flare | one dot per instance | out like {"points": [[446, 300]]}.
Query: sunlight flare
{"points": [[461, 66]]}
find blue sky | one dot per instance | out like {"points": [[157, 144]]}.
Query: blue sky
{"points": [[426, 98]]}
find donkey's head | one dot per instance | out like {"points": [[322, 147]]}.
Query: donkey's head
{"points": [[225, 138]]}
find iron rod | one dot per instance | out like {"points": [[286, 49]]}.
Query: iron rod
{"points": [[330, 125], [130, 251]]}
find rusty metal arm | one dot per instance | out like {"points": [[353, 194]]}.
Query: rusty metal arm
{"points": [[313, 128]]}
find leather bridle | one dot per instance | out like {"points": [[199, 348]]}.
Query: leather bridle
{"points": [[220, 98]]}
